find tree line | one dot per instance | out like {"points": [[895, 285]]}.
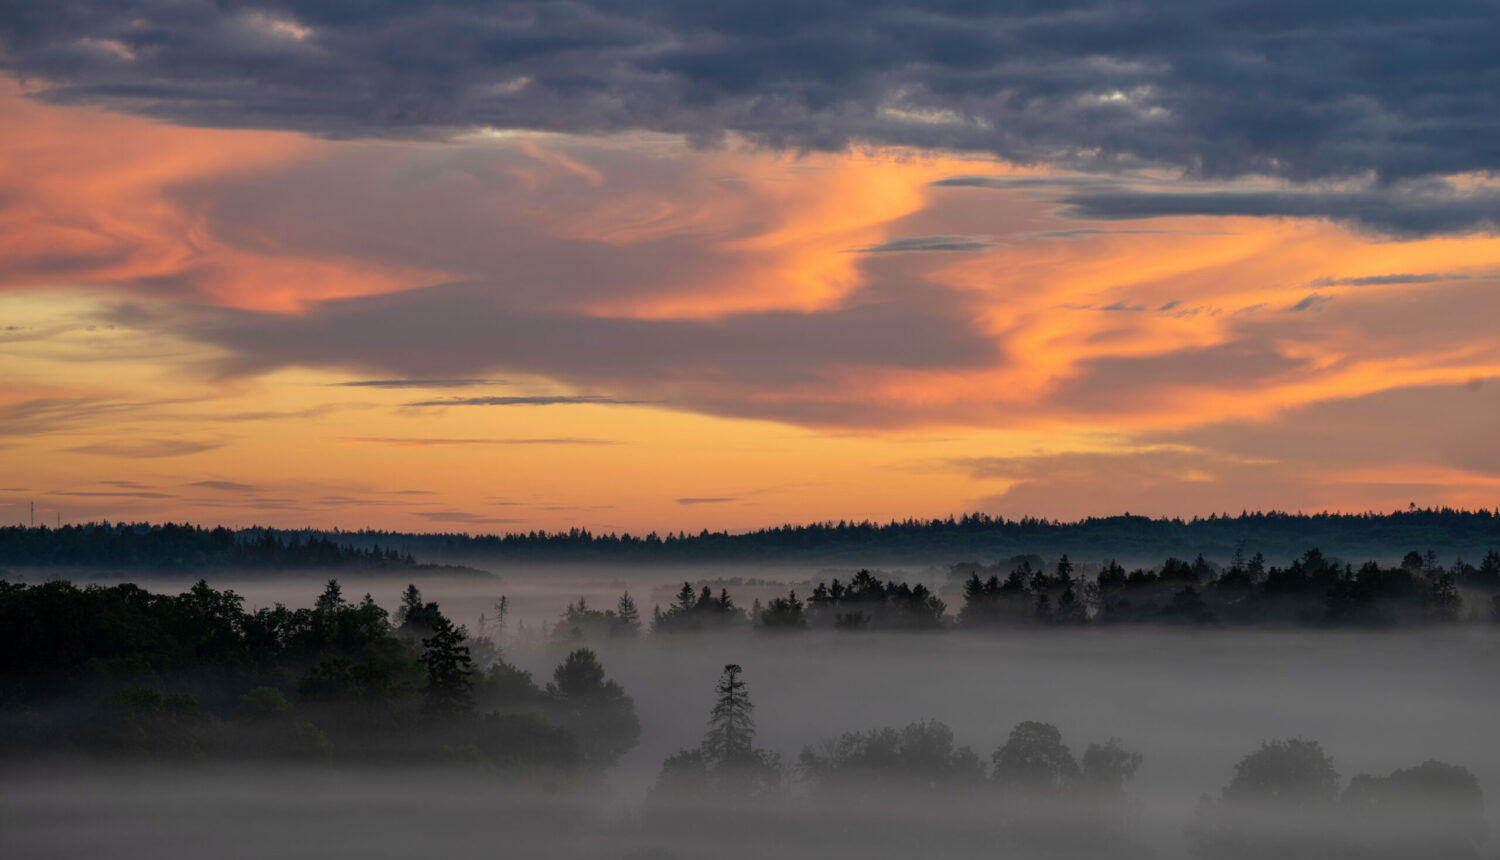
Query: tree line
{"points": [[1279, 534], [1034, 796], [119, 670], [1025, 592], [173, 547]]}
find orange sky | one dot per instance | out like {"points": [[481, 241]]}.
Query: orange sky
{"points": [[663, 337]]}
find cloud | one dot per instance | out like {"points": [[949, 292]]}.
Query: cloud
{"points": [[1384, 280], [417, 383], [1215, 88], [226, 486], [1414, 211], [559, 400], [107, 494], [798, 366], [1447, 426], [1429, 444], [1138, 384], [460, 517], [42, 415], [1086, 232], [418, 442], [147, 448], [704, 500], [1311, 301], [928, 243]]}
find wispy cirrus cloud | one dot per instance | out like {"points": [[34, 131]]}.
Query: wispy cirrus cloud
{"points": [[146, 449], [417, 383], [1387, 280], [904, 244], [462, 518], [226, 486], [530, 400], [112, 494], [424, 442]]}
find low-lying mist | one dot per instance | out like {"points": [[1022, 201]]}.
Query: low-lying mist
{"points": [[1193, 703]]}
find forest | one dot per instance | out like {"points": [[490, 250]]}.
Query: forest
{"points": [[172, 546], [1279, 535], [1027, 593], [125, 675]]}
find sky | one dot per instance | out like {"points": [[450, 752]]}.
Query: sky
{"points": [[667, 265]]}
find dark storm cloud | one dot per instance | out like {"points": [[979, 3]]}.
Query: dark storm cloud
{"points": [[1215, 87]]}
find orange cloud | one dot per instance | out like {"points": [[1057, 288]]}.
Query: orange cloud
{"points": [[87, 198], [795, 338]]}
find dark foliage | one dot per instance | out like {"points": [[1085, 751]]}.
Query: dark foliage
{"points": [[1279, 534], [172, 547], [119, 670], [727, 763]]}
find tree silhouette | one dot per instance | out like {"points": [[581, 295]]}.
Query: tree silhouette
{"points": [[731, 728], [1034, 759], [449, 673], [726, 763], [595, 708], [921, 755], [783, 613], [332, 597], [627, 618], [1433, 810], [1278, 804]]}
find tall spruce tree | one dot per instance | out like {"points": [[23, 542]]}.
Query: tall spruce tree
{"points": [[627, 618], [450, 682], [731, 728]]}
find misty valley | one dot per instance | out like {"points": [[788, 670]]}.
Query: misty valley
{"points": [[1029, 707]]}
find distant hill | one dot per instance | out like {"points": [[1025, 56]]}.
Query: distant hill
{"points": [[1280, 536]]}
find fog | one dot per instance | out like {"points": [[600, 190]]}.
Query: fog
{"points": [[1192, 703]]}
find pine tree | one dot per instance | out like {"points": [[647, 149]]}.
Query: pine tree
{"points": [[627, 617], [731, 729], [449, 670], [411, 605], [502, 608], [332, 597]]}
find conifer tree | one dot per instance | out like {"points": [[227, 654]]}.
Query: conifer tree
{"points": [[731, 728], [449, 670], [627, 617], [332, 597]]}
